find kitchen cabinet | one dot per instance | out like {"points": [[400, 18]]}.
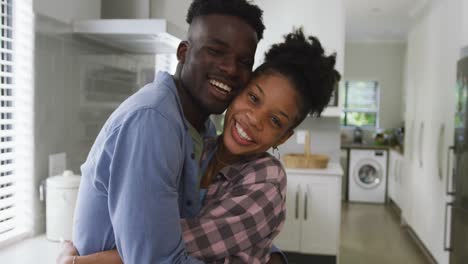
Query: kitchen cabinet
{"points": [[395, 177], [313, 211], [432, 51]]}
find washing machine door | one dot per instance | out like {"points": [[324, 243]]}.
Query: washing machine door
{"points": [[368, 174]]}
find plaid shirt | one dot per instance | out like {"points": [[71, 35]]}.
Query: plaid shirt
{"points": [[243, 211]]}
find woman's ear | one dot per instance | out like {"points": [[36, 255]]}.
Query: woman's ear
{"points": [[285, 137], [182, 51]]}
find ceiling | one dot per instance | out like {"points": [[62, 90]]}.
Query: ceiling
{"points": [[380, 20]]}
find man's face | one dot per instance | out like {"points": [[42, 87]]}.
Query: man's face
{"points": [[217, 60]]}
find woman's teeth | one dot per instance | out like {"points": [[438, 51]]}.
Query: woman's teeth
{"points": [[242, 133], [224, 87]]}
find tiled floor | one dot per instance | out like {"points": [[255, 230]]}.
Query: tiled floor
{"points": [[371, 234]]}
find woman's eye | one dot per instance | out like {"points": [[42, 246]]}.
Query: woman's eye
{"points": [[276, 121], [253, 98]]}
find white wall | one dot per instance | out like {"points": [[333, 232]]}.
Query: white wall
{"points": [[382, 62], [465, 24], [68, 10], [174, 12]]}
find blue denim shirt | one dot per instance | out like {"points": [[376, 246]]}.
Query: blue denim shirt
{"points": [[132, 192]]}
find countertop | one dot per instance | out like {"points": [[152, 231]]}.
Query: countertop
{"points": [[31, 250], [333, 169], [363, 146], [371, 146]]}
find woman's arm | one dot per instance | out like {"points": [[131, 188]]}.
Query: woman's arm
{"points": [[69, 252]]}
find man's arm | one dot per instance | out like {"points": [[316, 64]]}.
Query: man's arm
{"points": [[277, 256], [143, 190]]}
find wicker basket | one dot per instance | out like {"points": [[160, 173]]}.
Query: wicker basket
{"points": [[311, 161], [306, 160]]}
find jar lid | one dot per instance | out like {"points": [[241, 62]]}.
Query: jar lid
{"points": [[66, 180]]}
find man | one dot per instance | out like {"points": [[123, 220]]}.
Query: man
{"points": [[142, 173]]}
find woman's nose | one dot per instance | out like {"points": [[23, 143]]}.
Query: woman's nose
{"points": [[254, 120]]}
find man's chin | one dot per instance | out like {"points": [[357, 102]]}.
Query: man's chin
{"points": [[217, 109]]}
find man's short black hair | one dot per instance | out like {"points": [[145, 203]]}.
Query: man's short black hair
{"points": [[242, 9]]}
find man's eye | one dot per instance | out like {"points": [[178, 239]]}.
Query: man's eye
{"points": [[213, 51], [247, 63]]}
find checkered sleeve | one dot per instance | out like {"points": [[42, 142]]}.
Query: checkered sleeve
{"points": [[239, 227]]}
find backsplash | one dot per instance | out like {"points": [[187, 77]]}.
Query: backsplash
{"points": [[324, 138]]}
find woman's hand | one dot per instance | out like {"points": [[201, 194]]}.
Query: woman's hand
{"points": [[67, 253]]}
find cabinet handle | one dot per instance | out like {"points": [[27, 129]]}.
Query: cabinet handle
{"points": [[397, 166], [401, 169], [297, 202], [412, 150], [305, 202], [439, 151], [446, 246], [450, 167], [421, 134]]}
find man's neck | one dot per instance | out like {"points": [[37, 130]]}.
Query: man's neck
{"points": [[192, 111]]}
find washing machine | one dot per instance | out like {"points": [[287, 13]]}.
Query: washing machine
{"points": [[367, 175]]}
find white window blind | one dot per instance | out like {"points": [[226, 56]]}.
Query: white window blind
{"points": [[7, 176], [16, 118]]}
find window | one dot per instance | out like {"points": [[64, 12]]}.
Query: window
{"points": [[16, 119], [361, 104], [7, 175]]}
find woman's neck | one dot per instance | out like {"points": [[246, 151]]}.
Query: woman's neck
{"points": [[224, 156]]}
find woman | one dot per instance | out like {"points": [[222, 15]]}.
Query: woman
{"points": [[244, 207]]}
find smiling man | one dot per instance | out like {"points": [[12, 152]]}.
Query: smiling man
{"points": [[142, 173]]}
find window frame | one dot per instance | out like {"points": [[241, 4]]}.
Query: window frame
{"points": [[346, 110]]}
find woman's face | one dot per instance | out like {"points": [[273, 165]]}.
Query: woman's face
{"points": [[261, 116]]}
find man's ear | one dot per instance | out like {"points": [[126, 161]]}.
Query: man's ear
{"points": [[182, 51], [285, 137]]}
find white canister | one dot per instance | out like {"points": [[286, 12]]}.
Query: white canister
{"points": [[61, 194]]}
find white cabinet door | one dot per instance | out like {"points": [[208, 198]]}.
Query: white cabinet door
{"points": [[392, 163], [398, 178], [313, 215], [322, 215], [289, 237]]}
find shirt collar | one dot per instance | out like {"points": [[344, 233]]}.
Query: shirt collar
{"points": [[165, 79]]}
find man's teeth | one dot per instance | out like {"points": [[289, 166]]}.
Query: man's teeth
{"points": [[242, 133], [221, 86]]}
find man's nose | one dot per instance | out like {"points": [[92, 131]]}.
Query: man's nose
{"points": [[229, 65]]}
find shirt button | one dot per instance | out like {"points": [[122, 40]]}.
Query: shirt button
{"points": [[192, 155], [188, 203]]}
